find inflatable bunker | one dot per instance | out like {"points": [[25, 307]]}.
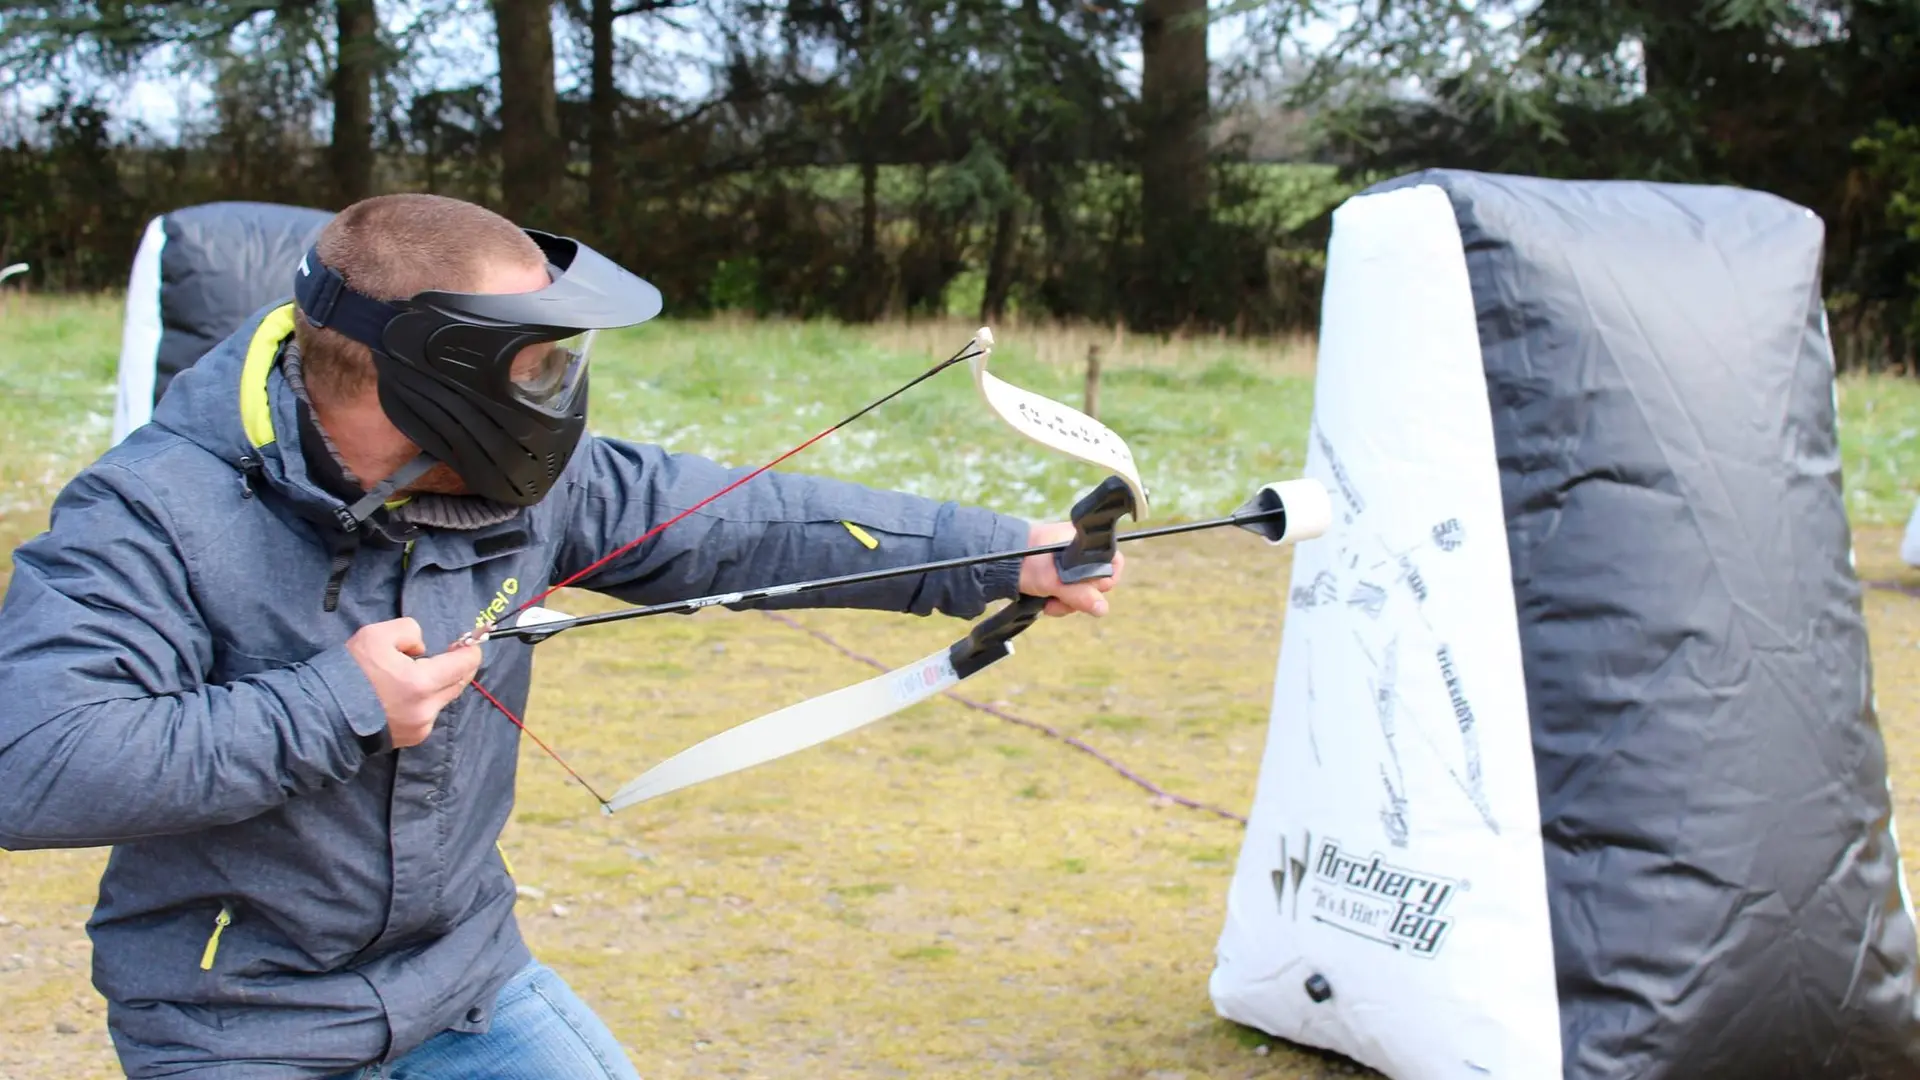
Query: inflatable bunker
{"points": [[1574, 769], [197, 275]]}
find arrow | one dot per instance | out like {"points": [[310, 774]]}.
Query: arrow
{"points": [[1285, 512]]}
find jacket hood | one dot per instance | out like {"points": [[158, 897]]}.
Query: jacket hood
{"points": [[237, 404]]}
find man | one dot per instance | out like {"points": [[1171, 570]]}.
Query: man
{"points": [[232, 656]]}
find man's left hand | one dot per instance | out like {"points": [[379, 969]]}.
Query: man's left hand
{"points": [[1039, 576]]}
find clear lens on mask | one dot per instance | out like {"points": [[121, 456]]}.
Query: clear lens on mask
{"points": [[547, 372]]}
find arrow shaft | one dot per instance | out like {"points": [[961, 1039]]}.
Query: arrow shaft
{"points": [[541, 631]]}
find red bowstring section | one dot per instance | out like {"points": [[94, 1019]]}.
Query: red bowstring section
{"points": [[538, 741], [960, 357]]}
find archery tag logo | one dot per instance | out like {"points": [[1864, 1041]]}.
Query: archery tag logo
{"points": [[1403, 909]]}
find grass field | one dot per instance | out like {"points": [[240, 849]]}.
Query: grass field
{"points": [[945, 893]]}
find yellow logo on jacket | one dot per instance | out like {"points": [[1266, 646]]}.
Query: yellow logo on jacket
{"points": [[498, 606]]}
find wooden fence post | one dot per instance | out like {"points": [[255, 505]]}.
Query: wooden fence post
{"points": [[1093, 382]]}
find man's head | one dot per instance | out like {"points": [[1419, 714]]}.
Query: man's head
{"points": [[393, 247], [430, 325]]}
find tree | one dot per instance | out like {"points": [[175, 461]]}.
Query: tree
{"points": [[1174, 125], [104, 38], [1767, 94], [533, 156], [357, 57], [1013, 100], [601, 19]]}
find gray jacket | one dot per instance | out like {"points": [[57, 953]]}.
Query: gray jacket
{"points": [[280, 902]]}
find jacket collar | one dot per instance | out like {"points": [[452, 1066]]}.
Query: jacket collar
{"points": [[280, 431], [238, 404]]}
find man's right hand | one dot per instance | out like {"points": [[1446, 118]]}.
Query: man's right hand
{"points": [[412, 690]]}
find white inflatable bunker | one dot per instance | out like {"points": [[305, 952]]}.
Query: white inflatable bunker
{"points": [[1573, 768], [198, 273]]}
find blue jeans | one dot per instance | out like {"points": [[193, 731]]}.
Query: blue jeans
{"points": [[540, 1031]]}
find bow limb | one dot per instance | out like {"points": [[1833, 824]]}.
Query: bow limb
{"points": [[816, 720], [1060, 428]]}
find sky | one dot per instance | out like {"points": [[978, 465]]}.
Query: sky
{"points": [[160, 100]]}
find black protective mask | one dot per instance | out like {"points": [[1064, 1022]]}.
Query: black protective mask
{"points": [[494, 385]]}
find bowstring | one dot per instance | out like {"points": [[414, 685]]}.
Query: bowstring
{"points": [[498, 704], [962, 355], [959, 357]]}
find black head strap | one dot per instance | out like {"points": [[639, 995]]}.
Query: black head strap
{"points": [[378, 494], [328, 301]]}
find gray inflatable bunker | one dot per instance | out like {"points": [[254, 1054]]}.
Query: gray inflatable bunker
{"points": [[1574, 769], [198, 273]]}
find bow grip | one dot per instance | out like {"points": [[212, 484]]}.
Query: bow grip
{"points": [[1091, 552], [990, 640]]}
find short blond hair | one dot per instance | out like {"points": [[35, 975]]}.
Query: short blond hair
{"points": [[391, 247]]}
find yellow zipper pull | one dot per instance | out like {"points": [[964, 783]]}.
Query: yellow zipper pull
{"points": [[866, 539], [220, 922]]}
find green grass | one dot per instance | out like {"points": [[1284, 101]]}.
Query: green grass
{"points": [[1209, 419], [1209, 423], [1880, 447], [57, 365]]}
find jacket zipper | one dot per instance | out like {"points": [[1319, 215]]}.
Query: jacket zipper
{"points": [[336, 576], [220, 923]]}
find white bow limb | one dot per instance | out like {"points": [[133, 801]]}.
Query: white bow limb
{"points": [[1057, 427], [792, 729]]}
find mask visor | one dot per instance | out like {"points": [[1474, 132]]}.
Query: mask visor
{"points": [[545, 374]]}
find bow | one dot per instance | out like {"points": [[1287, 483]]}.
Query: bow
{"points": [[1088, 555], [1284, 512]]}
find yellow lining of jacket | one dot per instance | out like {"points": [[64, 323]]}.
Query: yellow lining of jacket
{"points": [[256, 411], [256, 414]]}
